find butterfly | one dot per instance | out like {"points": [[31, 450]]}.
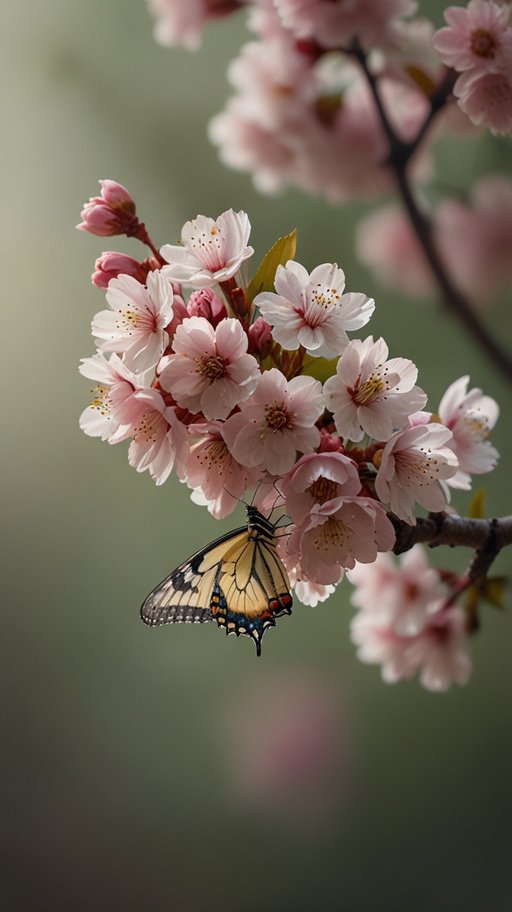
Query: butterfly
{"points": [[238, 580]]}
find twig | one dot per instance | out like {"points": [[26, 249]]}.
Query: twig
{"points": [[400, 153]]}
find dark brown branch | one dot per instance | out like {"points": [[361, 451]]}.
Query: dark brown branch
{"points": [[486, 536], [400, 153]]}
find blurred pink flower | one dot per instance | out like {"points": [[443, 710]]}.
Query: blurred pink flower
{"points": [[275, 422], [136, 321], [477, 37], [386, 244], [470, 416], [414, 462], [486, 99], [111, 213], [289, 748], [402, 595], [441, 651], [210, 371], [211, 252], [372, 395], [311, 309], [378, 645], [214, 472], [333, 23], [181, 22]]}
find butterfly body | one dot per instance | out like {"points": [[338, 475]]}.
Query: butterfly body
{"points": [[238, 581]]}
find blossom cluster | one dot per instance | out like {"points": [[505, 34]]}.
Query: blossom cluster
{"points": [[215, 377]]}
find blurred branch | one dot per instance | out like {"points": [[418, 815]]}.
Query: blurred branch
{"points": [[400, 153]]}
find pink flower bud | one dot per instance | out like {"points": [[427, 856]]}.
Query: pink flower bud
{"points": [[111, 213], [328, 442], [205, 303], [111, 264], [260, 338]]}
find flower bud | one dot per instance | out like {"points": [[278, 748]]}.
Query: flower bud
{"points": [[111, 264], [205, 303], [111, 213], [260, 338]]}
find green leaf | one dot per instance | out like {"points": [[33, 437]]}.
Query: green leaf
{"points": [[282, 251], [477, 505], [320, 368]]}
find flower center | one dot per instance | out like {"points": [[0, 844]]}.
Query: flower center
{"points": [[483, 43], [213, 367], [331, 535], [100, 399], [322, 490], [324, 297], [147, 428], [128, 320], [276, 416], [369, 390]]}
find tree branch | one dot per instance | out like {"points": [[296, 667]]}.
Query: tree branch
{"points": [[400, 153], [486, 536]]}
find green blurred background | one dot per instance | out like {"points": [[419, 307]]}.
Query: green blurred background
{"points": [[170, 770]]}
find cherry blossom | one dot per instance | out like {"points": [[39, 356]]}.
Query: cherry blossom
{"points": [[181, 23], [386, 244], [115, 388], [160, 440], [136, 321], [214, 472], [334, 24], [317, 479], [441, 651], [377, 645], [210, 370], [311, 309], [403, 595], [112, 264], [338, 533], [277, 421], [487, 100], [111, 213], [470, 416], [205, 303], [413, 464], [308, 591], [478, 37], [372, 395], [212, 251]]}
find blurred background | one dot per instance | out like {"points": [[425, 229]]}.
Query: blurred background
{"points": [[171, 770]]}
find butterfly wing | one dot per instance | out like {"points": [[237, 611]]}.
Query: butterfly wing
{"points": [[185, 595]]}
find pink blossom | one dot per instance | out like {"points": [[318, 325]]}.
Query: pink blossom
{"points": [[111, 213], [260, 338], [317, 479], [414, 462], [311, 310], [372, 395], [474, 237], [276, 422], [386, 244], [334, 24], [441, 651], [212, 251], [403, 595], [205, 303], [181, 23], [111, 396], [136, 322], [337, 534], [214, 472], [160, 440], [308, 591], [470, 416], [477, 38], [378, 645], [210, 371], [487, 100], [111, 264]]}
